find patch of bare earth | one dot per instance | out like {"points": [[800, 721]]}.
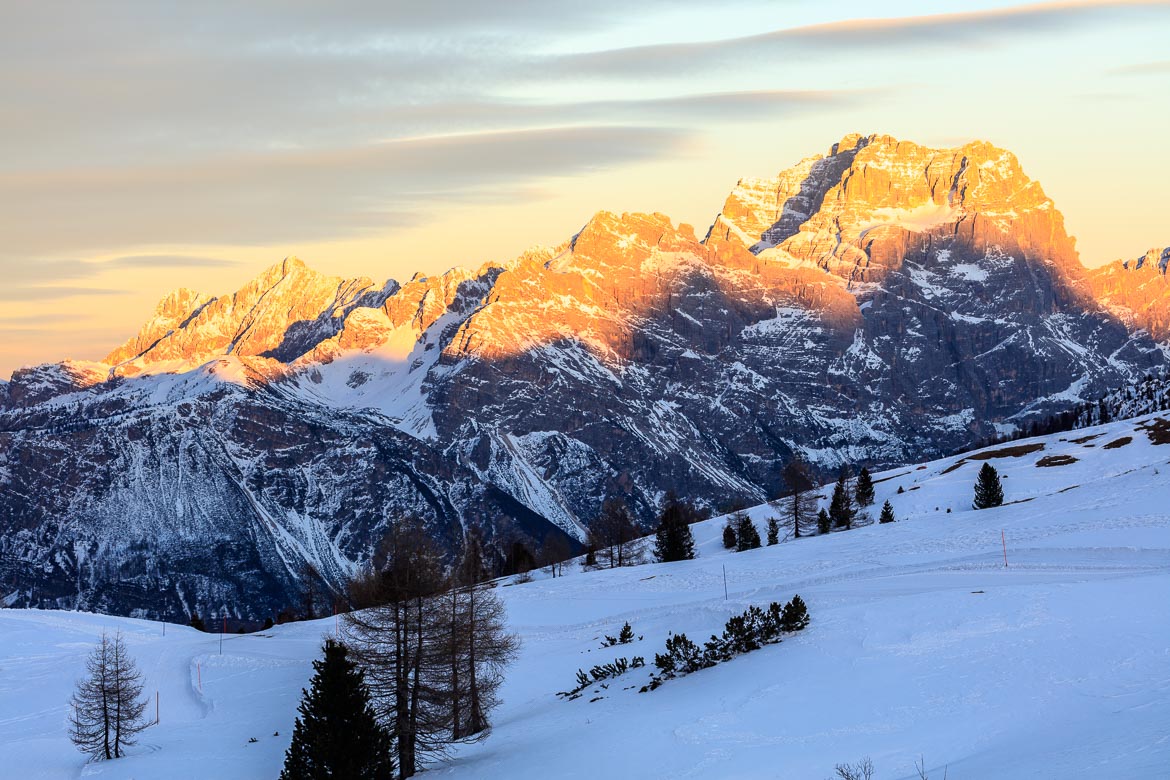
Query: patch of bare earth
{"points": [[1158, 429], [1003, 452], [1055, 460]]}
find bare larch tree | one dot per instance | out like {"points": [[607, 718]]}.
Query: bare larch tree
{"points": [[106, 712], [432, 645]]}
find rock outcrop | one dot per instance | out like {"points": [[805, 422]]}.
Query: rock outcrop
{"points": [[1137, 291]]}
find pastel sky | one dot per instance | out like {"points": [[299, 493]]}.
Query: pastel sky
{"points": [[151, 145]]}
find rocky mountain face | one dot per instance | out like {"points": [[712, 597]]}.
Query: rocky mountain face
{"points": [[1137, 291], [882, 303]]}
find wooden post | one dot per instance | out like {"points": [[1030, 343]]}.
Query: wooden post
{"points": [[155, 707], [199, 675], [1003, 539], [725, 582]]}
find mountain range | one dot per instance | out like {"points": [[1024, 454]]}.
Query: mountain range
{"points": [[883, 303]]}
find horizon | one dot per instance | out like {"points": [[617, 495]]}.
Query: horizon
{"points": [[411, 143]]}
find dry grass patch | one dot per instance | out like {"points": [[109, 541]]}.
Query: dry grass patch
{"points": [[1055, 460], [1158, 429], [1116, 443]]}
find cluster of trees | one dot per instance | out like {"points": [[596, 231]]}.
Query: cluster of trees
{"points": [[851, 499], [742, 633], [432, 644], [611, 537], [740, 533]]}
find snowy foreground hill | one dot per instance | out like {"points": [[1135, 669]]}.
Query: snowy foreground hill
{"points": [[921, 644]]}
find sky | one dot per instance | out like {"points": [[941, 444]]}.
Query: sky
{"points": [[146, 146]]}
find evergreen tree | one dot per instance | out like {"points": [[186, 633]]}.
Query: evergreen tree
{"points": [[824, 522], [746, 535], [337, 734], [863, 492], [196, 622], [988, 490], [674, 540], [773, 530], [107, 709], [841, 508], [887, 515], [729, 535], [626, 635]]}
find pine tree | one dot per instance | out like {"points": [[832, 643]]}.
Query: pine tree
{"points": [[841, 508], [674, 540], [337, 734], [196, 622], [729, 535], [773, 530], [887, 515], [863, 492], [824, 522], [626, 635], [107, 709], [988, 490], [746, 535]]}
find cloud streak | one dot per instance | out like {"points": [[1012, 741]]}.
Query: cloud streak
{"points": [[853, 38], [304, 194]]}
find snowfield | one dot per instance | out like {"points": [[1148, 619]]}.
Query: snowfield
{"points": [[921, 643]]}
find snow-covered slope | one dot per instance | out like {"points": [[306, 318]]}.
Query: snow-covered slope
{"points": [[921, 643]]}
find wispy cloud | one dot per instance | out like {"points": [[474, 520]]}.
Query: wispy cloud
{"points": [[853, 38], [299, 195], [1142, 69], [53, 292], [166, 261]]}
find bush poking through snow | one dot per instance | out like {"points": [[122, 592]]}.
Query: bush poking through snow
{"points": [[742, 633], [794, 617], [615, 668]]}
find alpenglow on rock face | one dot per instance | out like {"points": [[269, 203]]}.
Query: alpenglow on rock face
{"points": [[883, 303], [1137, 291]]}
